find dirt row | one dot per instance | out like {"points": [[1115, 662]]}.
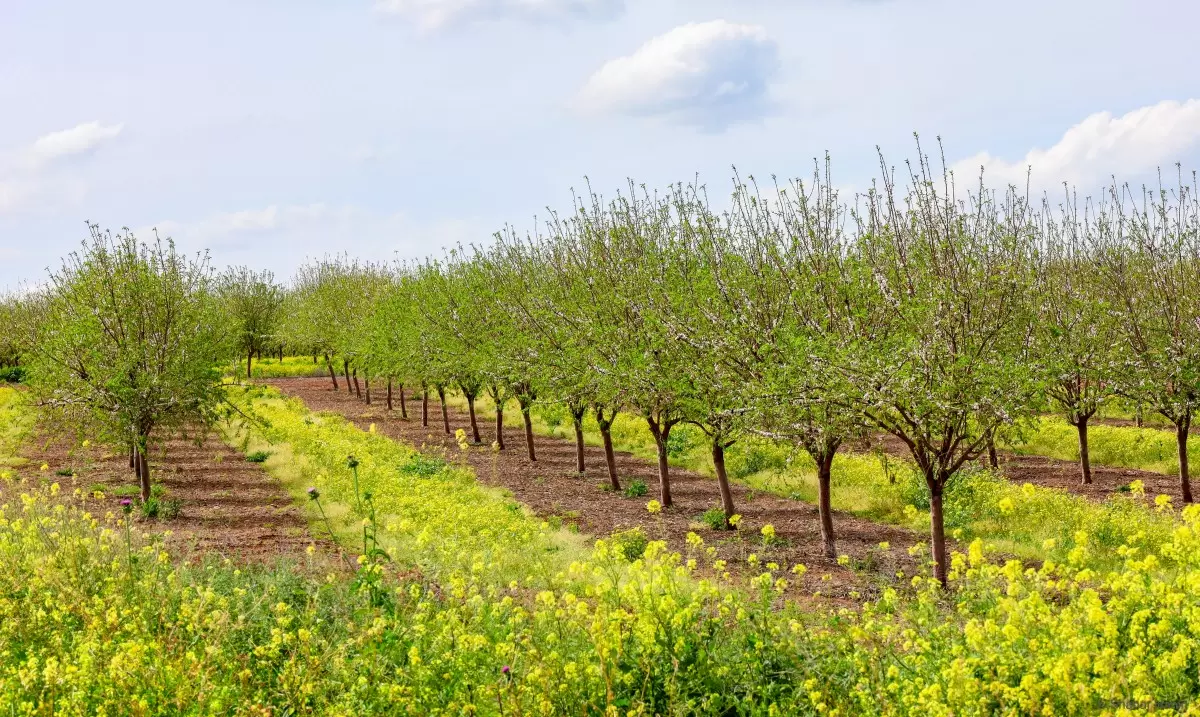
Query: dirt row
{"points": [[226, 505], [551, 487]]}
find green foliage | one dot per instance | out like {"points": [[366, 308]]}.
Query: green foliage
{"points": [[714, 518], [258, 456], [630, 544], [636, 489], [12, 374]]}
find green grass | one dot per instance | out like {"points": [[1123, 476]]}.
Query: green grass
{"points": [[1147, 449], [290, 367], [16, 421]]}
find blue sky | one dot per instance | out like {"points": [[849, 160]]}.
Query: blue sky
{"points": [[269, 131]]}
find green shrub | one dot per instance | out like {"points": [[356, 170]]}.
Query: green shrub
{"points": [[258, 457], [714, 518], [631, 544], [12, 374], [161, 508], [636, 489], [423, 466]]}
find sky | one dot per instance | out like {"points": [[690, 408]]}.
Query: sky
{"points": [[269, 132]]}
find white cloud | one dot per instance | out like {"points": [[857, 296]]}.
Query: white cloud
{"points": [[434, 14], [80, 139], [709, 74], [1099, 147]]}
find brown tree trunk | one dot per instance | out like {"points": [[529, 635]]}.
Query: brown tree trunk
{"points": [[425, 407], [403, 405], [346, 373], [825, 502], [1181, 439], [661, 433], [368, 382], [500, 426], [718, 456], [249, 360], [332, 374], [579, 464], [357, 389], [1085, 461], [474, 426], [445, 414], [528, 433], [389, 395], [610, 457], [938, 529], [1137, 416], [143, 469], [993, 459]]}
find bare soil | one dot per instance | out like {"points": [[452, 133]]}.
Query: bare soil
{"points": [[1054, 473], [553, 489], [228, 507]]}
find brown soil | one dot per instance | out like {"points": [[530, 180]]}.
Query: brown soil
{"points": [[551, 487], [227, 506], [1054, 473]]}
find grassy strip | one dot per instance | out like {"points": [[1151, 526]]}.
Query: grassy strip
{"points": [[16, 421], [289, 367], [1147, 449], [1029, 522]]}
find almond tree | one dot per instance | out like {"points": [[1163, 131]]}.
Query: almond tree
{"points": [[1148, 256], [1072, 331], [252, 301], [128, 343], [947, 321]]}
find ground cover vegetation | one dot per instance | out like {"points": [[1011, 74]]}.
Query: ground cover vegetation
{"points": [[952, 318]]}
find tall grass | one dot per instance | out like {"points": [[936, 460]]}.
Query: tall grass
{"points": [[1147, 449]]}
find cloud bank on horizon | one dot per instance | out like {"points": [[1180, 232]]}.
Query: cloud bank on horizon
{"points": [[272, 150]]}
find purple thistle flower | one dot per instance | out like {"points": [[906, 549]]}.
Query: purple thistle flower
{"points": [[126, 501], [313, 494], [506, 669]]}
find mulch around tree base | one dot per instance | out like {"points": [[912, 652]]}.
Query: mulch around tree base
{"points": [[551, 487], [228, 507]]}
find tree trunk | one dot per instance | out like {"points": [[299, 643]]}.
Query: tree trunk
{"points": [[368, 382], [425, 406], [249, 359], [332, 374], [661, 433], [474, 426], [389, 395], [993, 459], [938, 529], [1181, 439], [132, 457], [718, 456], [610, 457], [1137, 416], [357, 390], [1085, 461], [500, 426], [403, 406], [445, 414], [528, 433], [143, 469], [579, 464], [825, 502], [346, 373]]}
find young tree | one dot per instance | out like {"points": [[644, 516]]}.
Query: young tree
{"points": [[1072, 332], [129, 342], [253, 303], [1148, 256], [942, 365]]}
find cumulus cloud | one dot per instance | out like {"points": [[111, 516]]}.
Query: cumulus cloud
{"points": [[1099, 147], [710, 74], [434, 14], [80, 139]]}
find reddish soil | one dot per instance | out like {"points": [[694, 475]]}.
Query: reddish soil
{"points": [[551, 487], [227, 506], [1054, 473]]}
